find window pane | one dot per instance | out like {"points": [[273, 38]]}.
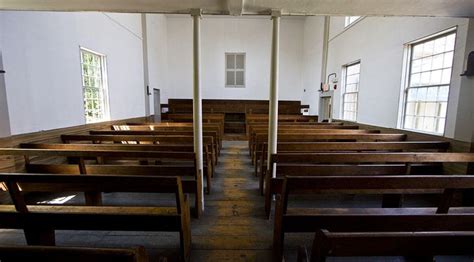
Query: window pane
{"points": [[436, 77], [443, 93], [351, 88], [239, 78], [240, 61], [440, 45], [448, 59], [230, 78], [441, 124], [450, 40], [230, 61], [410, 110], [438, 61]]}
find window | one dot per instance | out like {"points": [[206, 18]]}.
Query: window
{"points": [[429, 78], [350, 20], [94, 85], [235, 70], [351, 91]]}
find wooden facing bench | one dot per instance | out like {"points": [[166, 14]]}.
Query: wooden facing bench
{"points": [[40, 221], [71, 254], [444, 217], [192, 183], [420, 245], [336, 164]]}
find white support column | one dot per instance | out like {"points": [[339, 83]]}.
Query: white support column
{"points": [[273, 105], [146, 77], [197, 100]]}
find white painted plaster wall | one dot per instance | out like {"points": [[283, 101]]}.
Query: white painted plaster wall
{"points": [[219, 35], [313, 46], [379, 44], [158, 55], [4, 117], [41, 55]]}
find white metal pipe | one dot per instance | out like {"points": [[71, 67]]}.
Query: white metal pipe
{"points": [[197, 100], [273, 105]]}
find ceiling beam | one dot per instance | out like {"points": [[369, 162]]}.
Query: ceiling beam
{"points": [[444, 8]]}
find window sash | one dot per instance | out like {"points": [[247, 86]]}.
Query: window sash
{"points": [[234, 71], [348, 114], [94, 86], [421, 120]]}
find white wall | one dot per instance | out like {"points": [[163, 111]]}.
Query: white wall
{"points": [[219, 35], [4, 118], [379, 44], [158, 55], [313, 46], [41, 55]]}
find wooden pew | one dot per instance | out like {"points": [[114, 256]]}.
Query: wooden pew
{"points": [[328, 137], [192, 184], [172, 127], [421, 245], [71, 254], [212, 134], [403, 146], [335, 164], [125, 139], [208, 163], [39, 222], [443, 217], [335, 125], [261, 128], [260, 137]]}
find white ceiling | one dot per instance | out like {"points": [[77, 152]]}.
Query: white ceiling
{"points": [[452, 8]]}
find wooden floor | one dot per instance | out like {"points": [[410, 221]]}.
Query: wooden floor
{"points": [[231, 229]]}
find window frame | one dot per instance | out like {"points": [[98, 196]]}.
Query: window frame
{"points": [[235, 69], [344, 90], [407, 72], [104, 88], [347, 20]]}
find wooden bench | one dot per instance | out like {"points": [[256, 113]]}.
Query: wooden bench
{"points": [[178, 127], [420, 245], [126, 139], [192, 183], [314, 147], [71, 254], [443, 217], [208, 163], [327, 137], [212, 134], [39, 222], [336, 125], [260, 137], [346, 164]]}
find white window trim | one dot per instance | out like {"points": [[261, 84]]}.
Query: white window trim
{"points": [[353, 23], [343, 90], [105, 84], [236, 69], [405, 81]]}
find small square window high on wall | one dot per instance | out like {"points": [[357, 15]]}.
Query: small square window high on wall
{"points": [[429, 70], [94, 86], [235, 70], [350, 20]]}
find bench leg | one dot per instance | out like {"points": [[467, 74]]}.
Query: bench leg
{"points": [[40, 236], [93, 198], [392, 200], [268, 197]]}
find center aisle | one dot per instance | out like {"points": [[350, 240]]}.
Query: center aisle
{"points": [[233, 227]]}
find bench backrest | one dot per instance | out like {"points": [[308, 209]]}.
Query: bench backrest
{"points": [[378, 185], [71, 254], [90, 183]]}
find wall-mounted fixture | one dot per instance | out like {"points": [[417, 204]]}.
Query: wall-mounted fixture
{"points": [[148, 91], [470, 65], [2, 72]]}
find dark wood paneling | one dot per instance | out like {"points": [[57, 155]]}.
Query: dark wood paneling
{"points": [[233, 106]]}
